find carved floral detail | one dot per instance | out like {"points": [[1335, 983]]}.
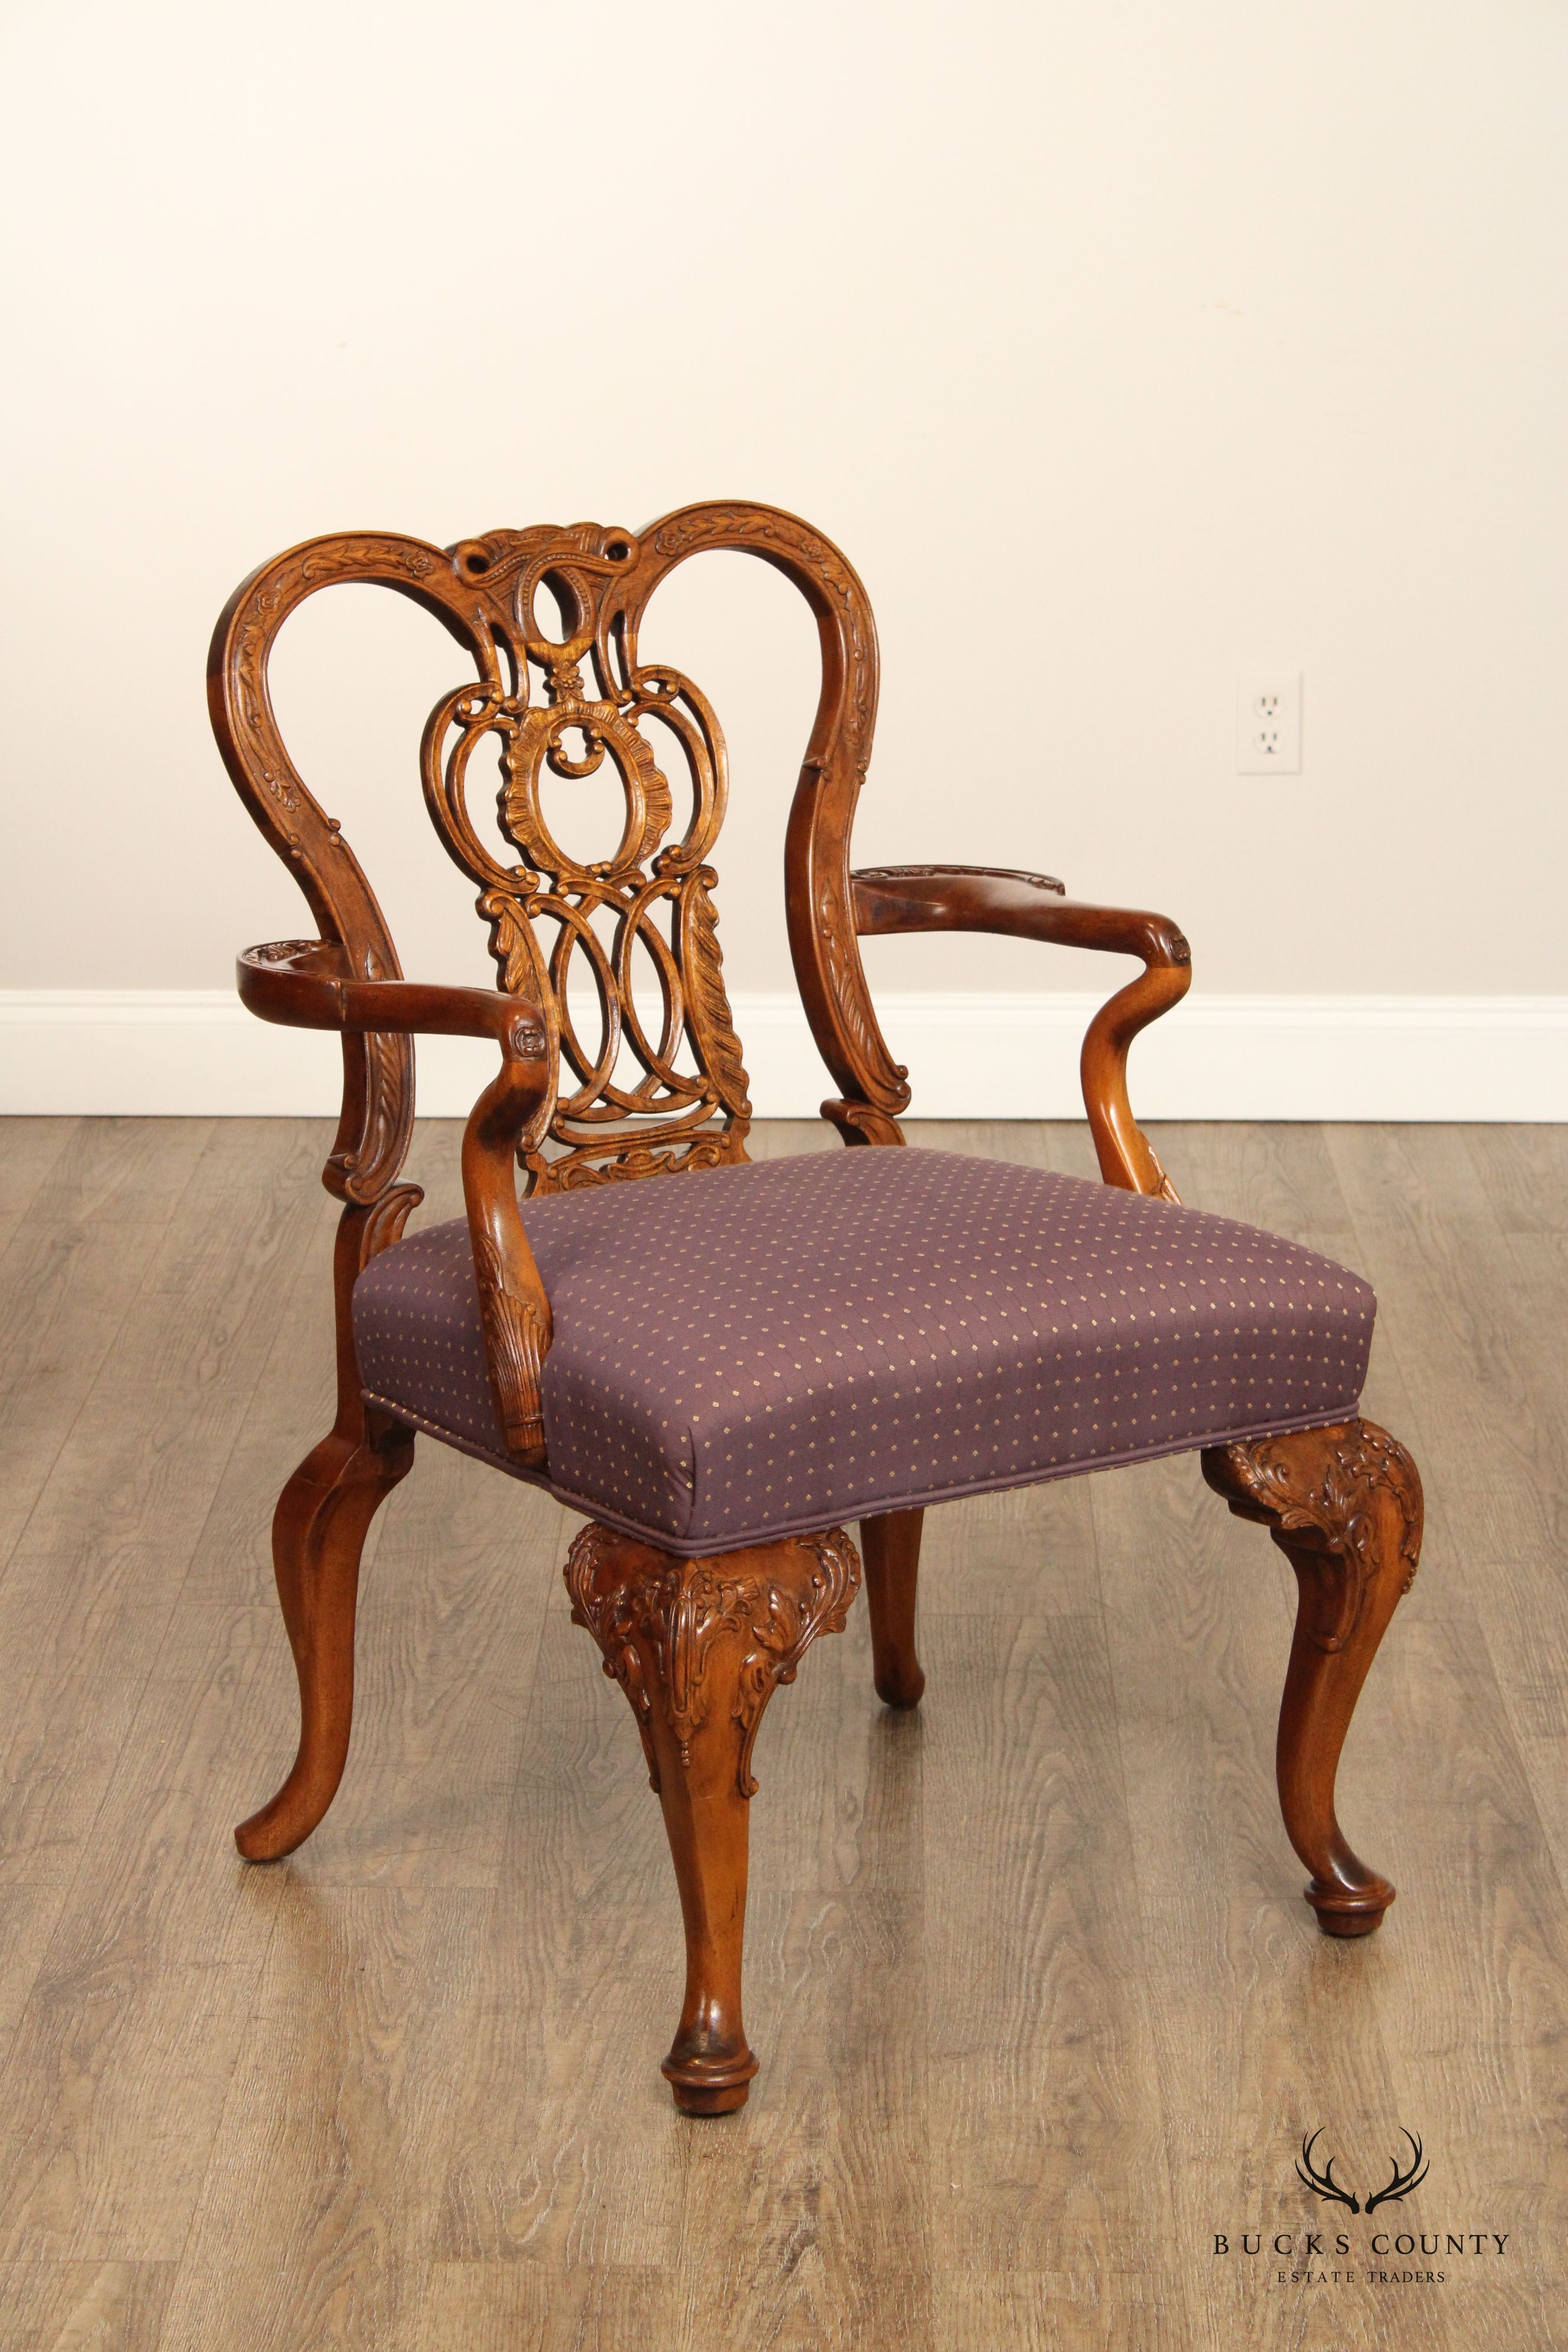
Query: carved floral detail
{"points": [[281, 950], [935, 872], [671, 1629], [1316, 1491]]}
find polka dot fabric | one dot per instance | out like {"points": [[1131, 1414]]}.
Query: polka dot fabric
{"points": [[746, 1352]]}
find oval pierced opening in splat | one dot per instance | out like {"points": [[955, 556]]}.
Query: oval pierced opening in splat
{"points": [[585, 813], [552, 621]]}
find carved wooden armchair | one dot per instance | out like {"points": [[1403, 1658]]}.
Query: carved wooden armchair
{"points": [[721, 1373]]}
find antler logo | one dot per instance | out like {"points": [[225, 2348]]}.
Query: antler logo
{"points": [[1323, 2184], [1402, 2182]]}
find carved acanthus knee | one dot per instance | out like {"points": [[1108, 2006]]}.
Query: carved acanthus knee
{"points": [[707, 1642], [1345, 1505]]}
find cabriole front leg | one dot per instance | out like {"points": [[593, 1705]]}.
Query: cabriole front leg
{"points": [[1344, 1507], [699, 1646], [318, 1534]]}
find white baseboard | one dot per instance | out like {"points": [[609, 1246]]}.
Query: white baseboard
{"points": [[196, 1051]]}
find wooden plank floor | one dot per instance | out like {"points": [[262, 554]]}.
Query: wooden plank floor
{"points": [[1039, 2007]]}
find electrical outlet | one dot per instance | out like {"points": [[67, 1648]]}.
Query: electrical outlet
{"points": [[1268, 725]]}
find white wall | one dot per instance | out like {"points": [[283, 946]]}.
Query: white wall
{"points": [[1121, 348]]}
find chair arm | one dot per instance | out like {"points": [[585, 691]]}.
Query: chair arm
{"points": [[303, 983], [893, 898]]}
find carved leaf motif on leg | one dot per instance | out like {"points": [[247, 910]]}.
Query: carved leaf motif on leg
{"points": [[1343, 1504], [622, 1590], [607, 1608], [1263, 1481], [784, 1630]]}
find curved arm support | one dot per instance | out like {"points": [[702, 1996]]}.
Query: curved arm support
{"points": [[895, 899], [300, 982]]}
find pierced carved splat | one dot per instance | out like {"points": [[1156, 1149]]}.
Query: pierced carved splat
{"points": [[662, 1083], [649, 895]]}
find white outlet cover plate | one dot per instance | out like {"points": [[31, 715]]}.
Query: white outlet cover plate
{"points": [[1269, 723]]}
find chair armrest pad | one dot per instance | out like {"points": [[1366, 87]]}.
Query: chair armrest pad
{"points": [[305, 984], [892, 898]]}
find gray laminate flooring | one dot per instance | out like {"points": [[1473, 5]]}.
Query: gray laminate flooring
{"points": [[1040, 2010]]}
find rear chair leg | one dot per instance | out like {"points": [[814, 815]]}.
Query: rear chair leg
{"points": [[892, 1544], [699, 1646], [318, 1534], [1344, 1507]]}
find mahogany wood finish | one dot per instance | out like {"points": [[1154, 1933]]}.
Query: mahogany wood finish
{"points": [[698, 1646], [303, 982], [891, 1547], [318, 1534], [1344, 1507], [890, 898]]}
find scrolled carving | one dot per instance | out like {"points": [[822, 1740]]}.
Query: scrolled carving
{"points": [[377, 1115], [575, 1172], [708, 1641], [707, 1022], [784, 1629], [862, 1123], [1317, 1491], [640, 907], [823, 940], [648, 898], [610, 1607], [840, 957], [385, 1222]]}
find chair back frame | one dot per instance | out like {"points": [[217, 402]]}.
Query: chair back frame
{"points": [[654, 894]]}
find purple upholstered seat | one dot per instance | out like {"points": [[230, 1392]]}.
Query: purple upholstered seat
{"points": [[746, 1352], [750, 1350]]}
